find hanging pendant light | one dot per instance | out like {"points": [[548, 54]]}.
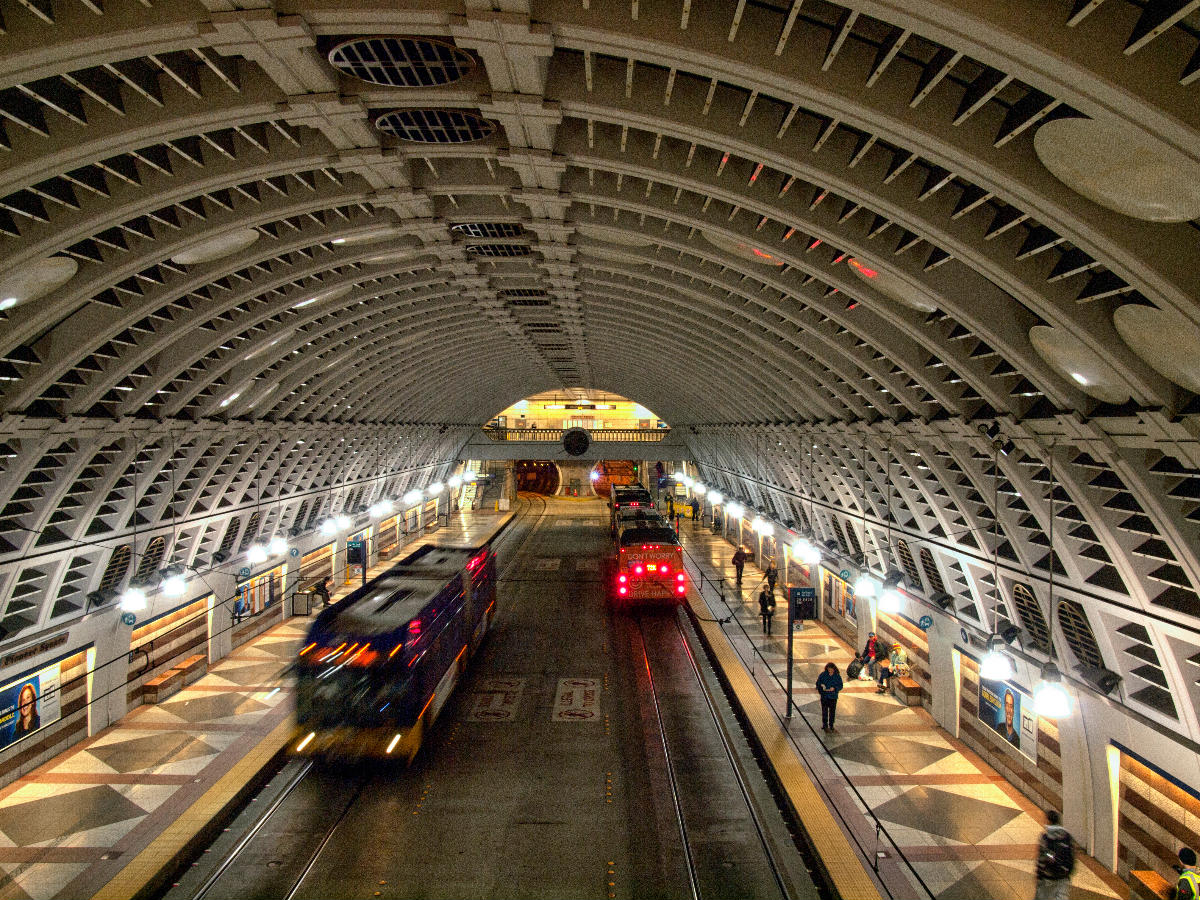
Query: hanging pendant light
{"points": [[889, 600], [1050, 698], [996, 665]]}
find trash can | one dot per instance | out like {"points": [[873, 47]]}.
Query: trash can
{"points": [[303, 602]]}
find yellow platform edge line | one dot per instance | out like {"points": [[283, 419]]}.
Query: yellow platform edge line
{"points": [[847, 871], [163, 850]]}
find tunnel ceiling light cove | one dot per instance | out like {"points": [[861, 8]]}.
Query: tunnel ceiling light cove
{"points": [[264, 266]]}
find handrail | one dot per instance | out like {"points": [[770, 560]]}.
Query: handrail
{"points": [[598, 435]]}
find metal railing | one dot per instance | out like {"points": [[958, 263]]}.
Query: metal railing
{"points": [[598, 435]]}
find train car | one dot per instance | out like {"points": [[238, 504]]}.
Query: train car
{"points": [[378, 666], [648, 568], [627, 496]]}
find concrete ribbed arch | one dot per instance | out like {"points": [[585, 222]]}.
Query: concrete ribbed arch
{"points": [[920, 160]]}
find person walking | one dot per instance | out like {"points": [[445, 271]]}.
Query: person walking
{"points": [[739, 563], [829, 683], [1056, 860], [766, 609], [1187, 887], [772, 575]]}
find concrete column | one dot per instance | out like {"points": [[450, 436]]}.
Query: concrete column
{"points": [[941, 636], [224, 588], [108, 683]]}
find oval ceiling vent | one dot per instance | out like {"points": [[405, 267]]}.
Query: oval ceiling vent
{"points": [[402, 61], [435, 126]]}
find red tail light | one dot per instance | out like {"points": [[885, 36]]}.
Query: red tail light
{"points": [[638, 570], [623, 590], [679, 577], [681, 589], [414, 627], [623, 579]]}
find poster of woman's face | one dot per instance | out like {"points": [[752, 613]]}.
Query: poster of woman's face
{"points": [[29, 703]]}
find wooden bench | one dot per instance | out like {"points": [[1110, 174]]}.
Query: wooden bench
{"points": [[163, 686], [1148, 885], [906, 689], [386, 552], [193, 668]]}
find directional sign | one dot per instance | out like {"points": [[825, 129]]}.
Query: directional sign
{"points": [[244, 572], [294, 552], [926, 622], [804, 602], [128, 619], [844, 574]]}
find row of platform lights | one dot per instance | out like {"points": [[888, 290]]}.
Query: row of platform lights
{"points": [[1050, 698], [174, 583]]}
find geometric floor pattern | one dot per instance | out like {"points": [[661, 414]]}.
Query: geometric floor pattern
{"points": [[966, 833]]}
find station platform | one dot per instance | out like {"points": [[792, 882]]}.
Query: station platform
{"points": [[952, 827], [105, 817]]}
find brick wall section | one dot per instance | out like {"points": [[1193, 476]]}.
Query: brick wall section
{"points": [[1154, 819], [71, 728], [1041, 783], [167, 641]]}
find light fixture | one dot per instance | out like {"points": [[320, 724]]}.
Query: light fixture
{"points": [[257, 553], [734, 510], [680, 475], [454, 482], [278, 546], [715, 497], [338, 241], [411, 498], [810, 553], [470, 476], [995, 665], [329, 526], [699, 490], [381, 508], [229, 399], [8, 303], [595, 476], [1050, 698], [766, 529], [434, 489], [343, 522], [757, 524], [889, 600], [132, 599], [1082, 379], [174, 585], [864, 587]]}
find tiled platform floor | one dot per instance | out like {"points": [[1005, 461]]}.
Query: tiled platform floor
{"points": [[965, 830], [70, 825]]}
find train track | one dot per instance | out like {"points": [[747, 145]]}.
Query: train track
{"points": [[699, 865], [296, 772]]}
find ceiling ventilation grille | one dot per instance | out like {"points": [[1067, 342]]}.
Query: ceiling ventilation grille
{"points": [[500, 250], [401, 62], [435, 126], [490, 229]]}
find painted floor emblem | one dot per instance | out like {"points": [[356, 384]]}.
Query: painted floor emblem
{"points": [[496, 700], [576, 700], [547, 564]]}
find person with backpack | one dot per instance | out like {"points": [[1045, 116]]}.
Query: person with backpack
{"points": [[739, 562], [855, 668], [1056, 860], [829, 682], [1188, 885], [766, 608]]}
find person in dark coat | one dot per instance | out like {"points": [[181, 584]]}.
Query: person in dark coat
{"points": [[739, 563], [772, 576], [322, 591], [829, 683], [766, 609]]}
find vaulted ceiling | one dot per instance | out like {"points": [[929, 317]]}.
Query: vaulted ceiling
{"points": [[255, 251]]}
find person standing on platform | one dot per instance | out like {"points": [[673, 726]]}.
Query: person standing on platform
{"points": [[829, 682], [1056, 860], [670, 506], [766, 609], [1188, 885], [739, 563], [772, 576], [695, 510]]}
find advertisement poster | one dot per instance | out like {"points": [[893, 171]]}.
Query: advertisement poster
{"points": [[28, 704], [1008, 711]]}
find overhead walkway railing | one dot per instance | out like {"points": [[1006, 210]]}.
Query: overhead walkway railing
{"points": [[598, 435]]}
